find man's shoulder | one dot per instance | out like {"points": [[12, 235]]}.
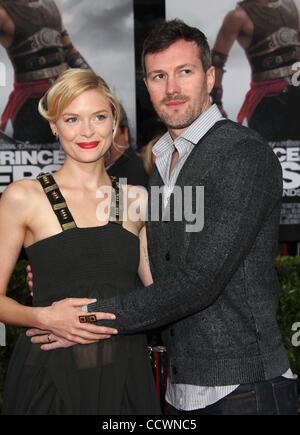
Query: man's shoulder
{"points": [[230, 133], [244, 144], [230, 138], [238, 130]]}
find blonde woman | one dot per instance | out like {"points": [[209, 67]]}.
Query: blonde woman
{"points": [[79, 246]]}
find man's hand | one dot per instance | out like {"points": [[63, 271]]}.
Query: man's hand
{"points": [[62, 320], [29, 278]]}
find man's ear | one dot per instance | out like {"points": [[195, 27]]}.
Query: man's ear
{"points": [[210, 78]]}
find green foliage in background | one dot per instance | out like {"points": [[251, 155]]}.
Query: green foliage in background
{"points": [[288, 313], [289, 306]]}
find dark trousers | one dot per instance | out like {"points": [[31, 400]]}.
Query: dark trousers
{"points": [[277, 118], [275, 397]]}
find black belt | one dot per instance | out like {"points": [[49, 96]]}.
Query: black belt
{"points": [[32, 63], [275, 60], [42, 74]]}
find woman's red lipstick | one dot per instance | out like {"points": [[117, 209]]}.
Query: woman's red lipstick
{"points": [[88, 145]]}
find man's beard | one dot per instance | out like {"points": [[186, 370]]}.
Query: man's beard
{"points": [[179, 122], [176, 120]]}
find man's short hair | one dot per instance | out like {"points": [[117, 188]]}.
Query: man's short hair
{"points": [[165, 34]]}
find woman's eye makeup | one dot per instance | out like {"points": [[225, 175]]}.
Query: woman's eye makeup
{"points": [[100, 117], [73, 119]]}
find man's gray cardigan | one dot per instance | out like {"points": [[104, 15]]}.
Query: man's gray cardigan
{"points": [[216, 291]]}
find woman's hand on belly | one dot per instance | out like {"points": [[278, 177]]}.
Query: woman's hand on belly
{"points": [[50, 341], [62, 320]]}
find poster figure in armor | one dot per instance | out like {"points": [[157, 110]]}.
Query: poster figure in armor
{"points": [[268, 31], [40, 49]]}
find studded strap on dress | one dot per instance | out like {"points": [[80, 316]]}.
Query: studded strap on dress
{"points": [[57, 201], [116, 209], [60, 206]]}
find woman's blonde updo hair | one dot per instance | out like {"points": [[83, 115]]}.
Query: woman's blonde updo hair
{"points": [[69, 85]]}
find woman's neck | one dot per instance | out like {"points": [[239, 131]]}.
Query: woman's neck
{"points": [[88, 176]]}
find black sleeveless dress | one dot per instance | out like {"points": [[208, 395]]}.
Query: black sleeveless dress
{"points": [[113, 376]]}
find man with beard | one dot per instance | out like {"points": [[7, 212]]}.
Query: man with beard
{"points": [[40, 49], [215, 287]]}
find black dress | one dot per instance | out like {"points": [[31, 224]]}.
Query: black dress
{"points": [[113, 376]]}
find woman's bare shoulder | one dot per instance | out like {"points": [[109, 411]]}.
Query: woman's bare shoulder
{"points": [[21, 191]]}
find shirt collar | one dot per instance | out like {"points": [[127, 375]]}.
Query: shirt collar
{"points": [[193, 133]]}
